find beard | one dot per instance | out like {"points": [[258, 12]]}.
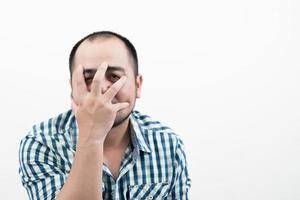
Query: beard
{"points": [[121, 117]]}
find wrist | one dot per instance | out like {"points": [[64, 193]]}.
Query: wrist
{"points": [[90, 143], [91, 138]]}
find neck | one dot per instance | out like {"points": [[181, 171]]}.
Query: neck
{"points": [[118, 136]]}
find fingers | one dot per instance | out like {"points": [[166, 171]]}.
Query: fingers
{"points": [[79, 89], [98, 78], [120, 106], [114, 89]]}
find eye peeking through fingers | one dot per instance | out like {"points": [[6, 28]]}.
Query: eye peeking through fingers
{"points": [[89, 80], [113, 77], [110, 76], [89, 75]]}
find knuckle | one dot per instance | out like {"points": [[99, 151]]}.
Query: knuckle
{"points": [[107, 108], [92, 98], [100, 103]]}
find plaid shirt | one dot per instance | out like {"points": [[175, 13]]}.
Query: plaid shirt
{"points": [[153, 167]]}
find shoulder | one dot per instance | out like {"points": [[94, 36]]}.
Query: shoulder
{"points": [[51, 132], [157, 133]]}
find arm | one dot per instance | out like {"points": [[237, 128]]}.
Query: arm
{"points": [[39, 169], [182, 183], [85, 178], [95, 115], [43, 177], [39, 165]]}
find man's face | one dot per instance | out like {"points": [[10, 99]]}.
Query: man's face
{"points": [[112, 51]]}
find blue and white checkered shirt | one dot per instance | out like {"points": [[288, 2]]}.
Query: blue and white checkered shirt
{"points": [[153, 167]]}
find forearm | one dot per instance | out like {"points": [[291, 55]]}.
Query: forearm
{"points": [[85, 178], [95, 114]]}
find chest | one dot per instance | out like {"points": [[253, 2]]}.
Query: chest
{"points": [[113, 160]]}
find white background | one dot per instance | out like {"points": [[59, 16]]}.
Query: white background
{"points": [[223, 74]]}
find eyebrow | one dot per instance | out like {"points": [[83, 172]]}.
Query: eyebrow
{"points": [[109, 68]]}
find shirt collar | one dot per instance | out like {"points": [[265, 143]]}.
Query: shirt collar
{"points": [[138, 135]]}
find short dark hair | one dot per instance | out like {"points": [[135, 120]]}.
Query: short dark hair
{"points": [[106, 34]]}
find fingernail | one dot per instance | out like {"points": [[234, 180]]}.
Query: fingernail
{"points": [[104, 63]]}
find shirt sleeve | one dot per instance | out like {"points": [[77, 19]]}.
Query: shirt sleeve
{"points": [[39, 170], [182, 180]]}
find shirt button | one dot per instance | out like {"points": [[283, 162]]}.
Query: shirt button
{"points": [[150, 197]]}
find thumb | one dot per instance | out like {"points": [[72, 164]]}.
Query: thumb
{"points": [[120, 106]]}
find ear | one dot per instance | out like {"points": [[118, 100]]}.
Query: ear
{"points": [[139, 82], [70, 81]]}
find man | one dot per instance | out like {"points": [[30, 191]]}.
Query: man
{"points": [[101, 148]]}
